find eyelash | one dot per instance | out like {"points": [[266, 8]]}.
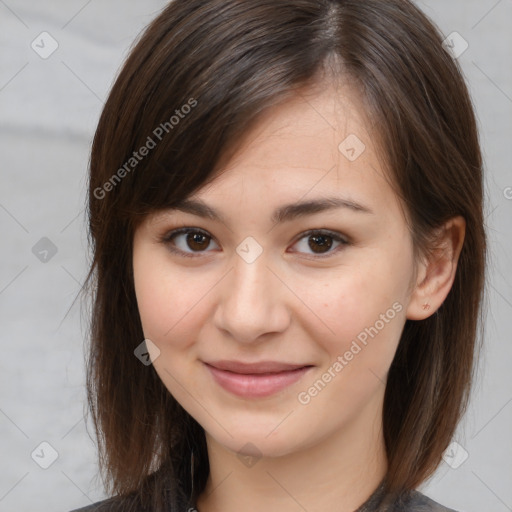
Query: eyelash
{"points": [[168, 237]]}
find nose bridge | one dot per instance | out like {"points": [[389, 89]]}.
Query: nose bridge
{"points": [[250, 278], [252, 301]]}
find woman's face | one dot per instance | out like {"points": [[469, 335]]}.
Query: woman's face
{"points": [[250, 288]]}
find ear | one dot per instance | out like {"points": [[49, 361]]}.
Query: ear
{"points": [[436, 274]]}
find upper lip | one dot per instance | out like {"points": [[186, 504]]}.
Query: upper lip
{"points": [[260, 367]]}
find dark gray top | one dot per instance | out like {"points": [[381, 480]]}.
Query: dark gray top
{"points": [[414, 501]]}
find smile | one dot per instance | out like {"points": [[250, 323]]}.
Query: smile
{"points": [[256, 385]]}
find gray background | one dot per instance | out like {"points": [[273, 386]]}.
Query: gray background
{"points": [[48, 112]]}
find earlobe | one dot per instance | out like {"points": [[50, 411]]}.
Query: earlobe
{"points": [[436, 275]]}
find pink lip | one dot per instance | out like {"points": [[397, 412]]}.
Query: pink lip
{"points": [[256, 385], [260, 367]]}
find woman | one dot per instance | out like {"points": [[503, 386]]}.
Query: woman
{"points": [[289, 254]]}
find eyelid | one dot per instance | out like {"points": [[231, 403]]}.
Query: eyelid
{"points": [[343, 241], [169, 235], [335, 235]]}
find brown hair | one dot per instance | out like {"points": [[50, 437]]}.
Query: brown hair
{"points": [[193, 84]]}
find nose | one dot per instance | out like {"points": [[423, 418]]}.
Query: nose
{"points": [[253, 301]]}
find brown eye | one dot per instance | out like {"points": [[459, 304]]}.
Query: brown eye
{"points": [[187, 241], [320, 243], [197, 241], [191, 242], [324, 242]]}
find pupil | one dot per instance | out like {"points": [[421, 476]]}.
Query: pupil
{"points": [[196, 239], [321, 240]]}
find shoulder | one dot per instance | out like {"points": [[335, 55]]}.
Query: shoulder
{"points": [[418, 502]]}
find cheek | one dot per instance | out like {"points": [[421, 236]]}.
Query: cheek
{"points": [[360, 315], [152, 297], [169, 303]]}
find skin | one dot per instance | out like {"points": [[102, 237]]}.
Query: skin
{"points": [[287, 306]]}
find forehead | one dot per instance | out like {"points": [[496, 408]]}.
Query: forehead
{"points": [[317, 145], [286, 131], [317, 142]]}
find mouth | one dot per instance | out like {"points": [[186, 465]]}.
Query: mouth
{"points": [[258, 381], [255, 368]]}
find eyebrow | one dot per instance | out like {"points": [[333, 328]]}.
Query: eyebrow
{"points": [[285, 213]]}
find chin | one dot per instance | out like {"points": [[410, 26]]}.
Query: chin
{"points": [[254, 442]]}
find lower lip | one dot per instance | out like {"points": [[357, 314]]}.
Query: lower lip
{"points": [[254, 385]]}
